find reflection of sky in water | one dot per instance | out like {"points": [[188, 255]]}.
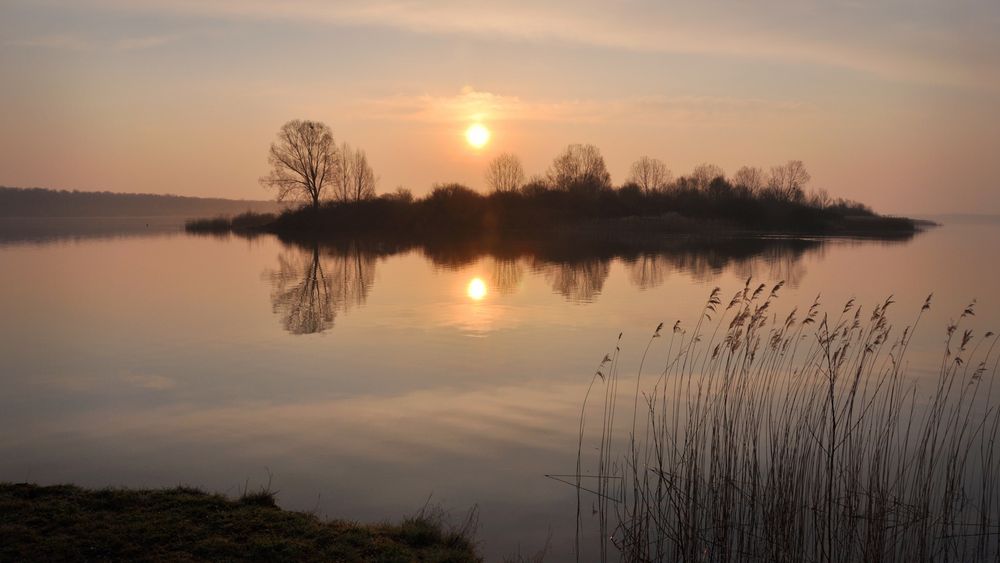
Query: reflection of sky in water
{"points": [[158, 361]]}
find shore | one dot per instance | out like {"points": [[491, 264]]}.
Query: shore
{"points": [[65, 522]]}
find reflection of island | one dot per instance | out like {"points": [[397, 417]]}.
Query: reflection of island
{"points": [[648, 271], [761, 258], [316, 280], [311, 285], [580, 280]]}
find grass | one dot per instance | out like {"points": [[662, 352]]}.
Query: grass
{"points": [[792, 439], [65, 522]]}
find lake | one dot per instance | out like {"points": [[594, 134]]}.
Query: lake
{"points": [[361, 380]]}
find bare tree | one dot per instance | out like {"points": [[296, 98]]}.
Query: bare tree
{"points": [[821, 199], [703, 175], [789, 180], [505, 173], [363, 178], [650, 174], [303, 161], [355, 178], [579, 167], [750, 177], [342, 184]]}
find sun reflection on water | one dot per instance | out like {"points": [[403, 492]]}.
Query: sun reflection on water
{"points": [[476, 289]]}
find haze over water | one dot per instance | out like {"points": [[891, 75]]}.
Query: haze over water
{"points": [[363, 383]]}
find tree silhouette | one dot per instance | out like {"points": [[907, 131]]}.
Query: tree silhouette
{"points": [[650, 174], [703, 175], [789, 180], [303, 161], [505, 173], [355, 179], [750, 178], [579, 168]]}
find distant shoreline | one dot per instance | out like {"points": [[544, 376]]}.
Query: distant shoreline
{"points": [[25, 203]]}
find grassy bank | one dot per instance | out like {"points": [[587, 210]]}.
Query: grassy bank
{"points": [[65, 522]]}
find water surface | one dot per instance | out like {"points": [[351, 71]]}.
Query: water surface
{"points": [[364, 379]]}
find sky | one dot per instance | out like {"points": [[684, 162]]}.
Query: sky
{"points": [[893, 103]]}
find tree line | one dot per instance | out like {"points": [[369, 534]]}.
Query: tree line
{"points": [[576, 190], [308, 165], [582, 168]]}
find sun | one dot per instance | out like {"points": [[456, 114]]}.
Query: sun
{"points": [[477, 135], [476, 289]]}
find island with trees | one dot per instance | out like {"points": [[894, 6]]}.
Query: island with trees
{"points": [[575, 198]]}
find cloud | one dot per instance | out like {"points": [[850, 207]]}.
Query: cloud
{"points": [[876, 40], [151, 382], [137, 43], [60, 41], [70, 42], [474, 105]]}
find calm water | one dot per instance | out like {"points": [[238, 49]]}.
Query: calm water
{"points": [[365, 380]]}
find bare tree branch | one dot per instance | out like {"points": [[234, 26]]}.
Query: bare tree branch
{"points": [[505, 173], [303, 161], [650, 174]]}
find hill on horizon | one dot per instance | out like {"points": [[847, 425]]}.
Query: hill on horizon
{"points": [[44, 202]]}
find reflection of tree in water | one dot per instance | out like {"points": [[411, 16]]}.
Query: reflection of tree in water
{"points": [[353, 274], [301, 293], [314, 282], [506, 275], [648, 271], [579, 280], [775, 263], [311, 286]]}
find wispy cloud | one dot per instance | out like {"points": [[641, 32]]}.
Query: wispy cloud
{"points": [[148, 381], [471, 105], [60, 41], [900, 49], [72, 42], [147, 42]]}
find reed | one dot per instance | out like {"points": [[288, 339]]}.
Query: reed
{"points": [[794, 439]]}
